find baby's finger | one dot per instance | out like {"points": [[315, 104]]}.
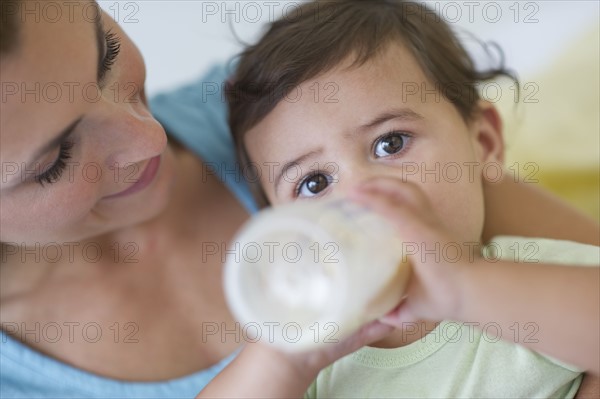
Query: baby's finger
{"points": [[399, 315], [391, 208], [366, 335], [380, 187], [385, 207], [407, 192]]}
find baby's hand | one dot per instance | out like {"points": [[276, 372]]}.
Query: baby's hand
{"points": [[433, 292], [263, 371], [290, 374], [327, 353]]}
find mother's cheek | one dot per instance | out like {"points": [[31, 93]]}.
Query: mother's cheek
{"points": [[59, 207]]}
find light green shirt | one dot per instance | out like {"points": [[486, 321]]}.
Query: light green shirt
{"points": [[463, 359]]}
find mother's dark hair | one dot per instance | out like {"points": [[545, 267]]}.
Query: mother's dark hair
{"points": [[9, 25]]}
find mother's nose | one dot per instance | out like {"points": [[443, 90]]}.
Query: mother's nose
{"points": [[132, 135]]}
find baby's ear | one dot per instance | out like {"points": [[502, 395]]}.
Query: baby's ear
{"points": [[487, 128]]}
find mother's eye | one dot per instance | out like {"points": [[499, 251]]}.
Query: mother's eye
{"points": [[312, 185], [54, 172], [390, 144]]}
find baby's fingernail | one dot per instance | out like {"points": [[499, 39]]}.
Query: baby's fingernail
{"points": [[361, 189], [388, 319], [355, 193], [360, 198]]}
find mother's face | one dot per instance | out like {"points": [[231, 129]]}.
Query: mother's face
{"points": [[81, 155]]}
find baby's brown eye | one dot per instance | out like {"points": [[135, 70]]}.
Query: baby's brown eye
{"points": [[389, 144], [313, 185]]}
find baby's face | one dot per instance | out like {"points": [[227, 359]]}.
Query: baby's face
{"points": [[350, 125]]}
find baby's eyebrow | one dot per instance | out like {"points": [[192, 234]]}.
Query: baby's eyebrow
{"points": [[288, 165], [396, 113]]}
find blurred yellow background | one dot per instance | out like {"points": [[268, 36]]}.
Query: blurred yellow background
{"points": [[556, 140]]}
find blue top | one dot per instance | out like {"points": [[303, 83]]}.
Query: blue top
{"points": [[196, 115]]}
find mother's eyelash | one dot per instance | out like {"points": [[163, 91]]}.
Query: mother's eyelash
{"points": [[113, 47], [53, 173]]}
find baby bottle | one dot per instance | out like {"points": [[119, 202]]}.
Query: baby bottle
{"points": [[312, 272]]}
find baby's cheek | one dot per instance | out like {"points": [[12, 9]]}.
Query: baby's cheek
{"points": [[472, 218], [265, 185], [460, 208]]}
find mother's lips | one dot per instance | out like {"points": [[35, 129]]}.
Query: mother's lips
{"points": [[143, 181]]}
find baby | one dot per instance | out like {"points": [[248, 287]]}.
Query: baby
{"points": [[377, 101]]}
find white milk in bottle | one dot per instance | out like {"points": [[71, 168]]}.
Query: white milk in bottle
{"points": [[312, 272]]}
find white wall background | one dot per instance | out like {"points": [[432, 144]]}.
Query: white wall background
{"points": [[181, 39]]}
